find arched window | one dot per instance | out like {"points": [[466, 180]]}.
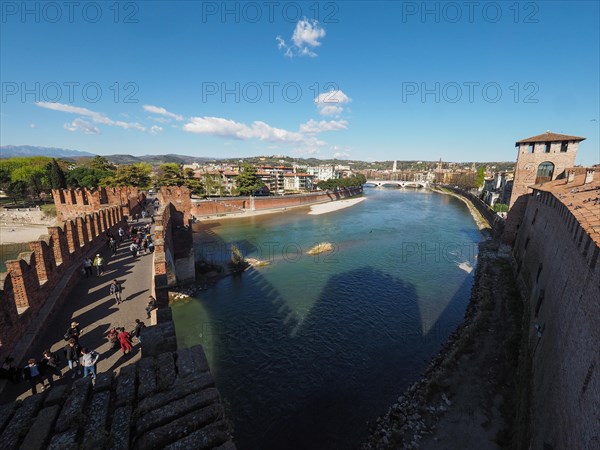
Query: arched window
{"points": [[544, 172]]}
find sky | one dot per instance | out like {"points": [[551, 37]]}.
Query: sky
{"points": [[461, 81]]}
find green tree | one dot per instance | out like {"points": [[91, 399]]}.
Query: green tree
{"points": [[56, 176], [87, 177], [138, 175], [480, 177], [194, 184], [169, 174], [247, 181], [98, 163], [34, 175]]}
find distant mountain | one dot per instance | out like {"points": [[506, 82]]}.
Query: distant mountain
{"points": [[123, 159], [8, 151]]}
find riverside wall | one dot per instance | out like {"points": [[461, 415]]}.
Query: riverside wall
{"points": [[200, 208], [558, 269]]}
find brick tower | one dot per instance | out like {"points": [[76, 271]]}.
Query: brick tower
{"points": [[539, 159]]}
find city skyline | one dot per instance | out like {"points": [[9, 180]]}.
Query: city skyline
{"points": [[362, 81]]}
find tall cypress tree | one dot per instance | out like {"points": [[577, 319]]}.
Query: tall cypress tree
{"points": [[56, 175]]}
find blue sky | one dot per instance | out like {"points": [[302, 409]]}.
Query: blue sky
{"points": [[358, 80]]}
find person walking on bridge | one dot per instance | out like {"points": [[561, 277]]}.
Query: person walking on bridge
{"points": [[89, 359], [115, 291], [99, 263]]}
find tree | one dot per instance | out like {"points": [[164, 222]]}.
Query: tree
{"points": [[87, 177], [56, 176], [169, 174], [194, 184], [138, 175], [335, 183], [247, 181], [480, 177]]}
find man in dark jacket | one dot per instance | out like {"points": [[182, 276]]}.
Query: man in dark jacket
{"points": [[33, 373], [49, 365], [137, 331], [72, 353]]}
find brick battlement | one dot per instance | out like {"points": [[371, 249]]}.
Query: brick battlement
{"points": [[32, 277], [72, 203]]}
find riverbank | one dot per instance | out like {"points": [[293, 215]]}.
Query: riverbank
{"points": [[325, 208], [322, 207], [480, 221], [21, 233]]}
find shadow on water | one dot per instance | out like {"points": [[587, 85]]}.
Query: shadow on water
{"points": [[313, 383]]}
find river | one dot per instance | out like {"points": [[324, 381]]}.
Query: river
{"points": [[308, 349]]}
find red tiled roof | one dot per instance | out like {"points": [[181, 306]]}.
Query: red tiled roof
{"points": [[549, 136], [582, 199]]}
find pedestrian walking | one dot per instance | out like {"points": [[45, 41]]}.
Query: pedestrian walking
{"points": [[151, 246], [137, 331], [89, 359], [115, 291], [87, 266], [49, 365], [32, 372], [133, 248], [145, 245], [125, 340], [99, 263], [72, 354], [73, 332], [113, 246], [151, 305], [144, 214], [121, 234]]}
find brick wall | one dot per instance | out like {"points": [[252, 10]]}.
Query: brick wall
{"points": [[72, 203], [236, 205], [33, 275], [558, 269]]}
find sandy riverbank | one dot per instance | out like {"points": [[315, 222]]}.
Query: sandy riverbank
{"points": [[15, 234], [324, 208]]}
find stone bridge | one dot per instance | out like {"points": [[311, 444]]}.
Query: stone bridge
{"points": [[396, 183]]}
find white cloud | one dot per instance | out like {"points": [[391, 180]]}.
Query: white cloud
{"points": [[32, 125], [217, 126], [162, 120], [156, 129], [330, 110], [162, 112], [304, 39], [329, 103], [313, 127], [95, 116], [83, 126], [307, 33]]}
